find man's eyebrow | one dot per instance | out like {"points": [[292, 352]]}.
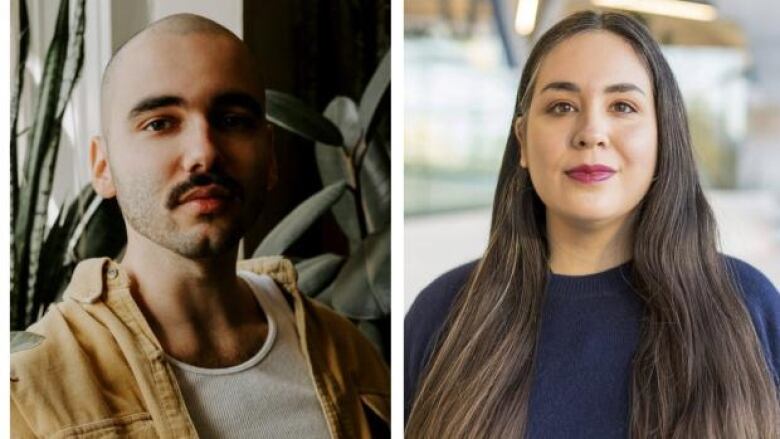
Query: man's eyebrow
{"points": [[154, 102], [623, 88], [239, 99]]}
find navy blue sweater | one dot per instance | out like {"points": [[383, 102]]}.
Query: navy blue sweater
{"points": [[589, 333]]}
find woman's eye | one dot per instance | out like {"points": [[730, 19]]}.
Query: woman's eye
{"points": [[561, 107], [622, 107], [157, 125]]}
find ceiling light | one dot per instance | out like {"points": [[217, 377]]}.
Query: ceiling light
{"points": [[525, 20], [673, 8]]}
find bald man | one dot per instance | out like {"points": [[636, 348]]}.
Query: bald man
{"points": [[174, 341]]}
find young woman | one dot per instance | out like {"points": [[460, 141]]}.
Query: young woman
{"points": [[601, 307]]}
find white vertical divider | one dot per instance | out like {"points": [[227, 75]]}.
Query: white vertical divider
{"points": [[397, 217]]}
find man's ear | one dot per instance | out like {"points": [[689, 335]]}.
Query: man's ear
{"points": [[519, 131], [272, 170], [100, 172]]}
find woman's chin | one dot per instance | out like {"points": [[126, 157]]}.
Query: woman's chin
{"points": [[592, 216]]}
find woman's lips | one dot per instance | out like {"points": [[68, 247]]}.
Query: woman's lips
{"points": [[590, 173]]}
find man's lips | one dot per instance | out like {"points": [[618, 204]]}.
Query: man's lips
{"points": [[590, 173], [206, 192], [207, 199]]}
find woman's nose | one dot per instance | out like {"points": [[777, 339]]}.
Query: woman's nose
{"points": [[592, 130]]}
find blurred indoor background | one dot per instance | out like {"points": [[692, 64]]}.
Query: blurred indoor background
{"points": [[462, 66]]}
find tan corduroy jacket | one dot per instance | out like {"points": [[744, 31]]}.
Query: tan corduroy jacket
{"points": [[100, 371]]}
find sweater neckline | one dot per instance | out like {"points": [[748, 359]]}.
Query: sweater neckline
{"points": [[609, 280]]}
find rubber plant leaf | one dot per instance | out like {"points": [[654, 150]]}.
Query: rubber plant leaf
{"points": [[23, 340], [375, 187], [375, 90], [361, 291], [335, 164], [315, 273], [372, 330], [291, 114], [300, 219], [100, 233]]}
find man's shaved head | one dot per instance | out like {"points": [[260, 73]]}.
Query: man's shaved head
{"points": [[191, 153], [179, 24]]}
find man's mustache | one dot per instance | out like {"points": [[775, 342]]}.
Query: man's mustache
{"points": [[204, 179]]}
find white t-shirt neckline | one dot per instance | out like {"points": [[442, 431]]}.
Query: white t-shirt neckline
{"points": [[256, 358]]}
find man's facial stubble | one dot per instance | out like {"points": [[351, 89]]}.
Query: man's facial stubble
{"points": [[151, 213]]}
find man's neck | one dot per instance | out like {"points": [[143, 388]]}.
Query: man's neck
{"points": [[199, 309]]}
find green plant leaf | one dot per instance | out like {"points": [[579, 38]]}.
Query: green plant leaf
{"points": [[286, 111], [88, 227], [344, 114], [315, 273], [68, 70], [23, 340], [345, 209], [18, 297], [40, 219], [335, 164], [101, 232], [298, 221], [24, 44], [377, 263], [371, 331], [362, 288], [374, 92], [53, 269], [64, 58], [375, 187]]}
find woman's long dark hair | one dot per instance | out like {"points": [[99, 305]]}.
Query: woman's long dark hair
{"points": [[698, 370]]}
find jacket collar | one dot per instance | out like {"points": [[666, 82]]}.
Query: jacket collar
{"points": [[92, 278]]}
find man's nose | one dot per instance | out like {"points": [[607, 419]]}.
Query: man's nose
{"points": [[201, 148], [592, 130]]}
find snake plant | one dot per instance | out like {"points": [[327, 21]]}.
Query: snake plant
{"points": [[30, 194]]}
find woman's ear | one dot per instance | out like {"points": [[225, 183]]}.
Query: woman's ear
{"points": [[102, 180], [519, 131]]}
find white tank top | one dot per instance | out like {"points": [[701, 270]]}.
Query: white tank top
{"points": [[271, 395]]}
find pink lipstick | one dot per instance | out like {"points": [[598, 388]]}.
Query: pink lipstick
{"points": [[590, 173]]}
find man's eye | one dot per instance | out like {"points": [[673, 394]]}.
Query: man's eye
{"points": [[158, 125], [230, 121], [622, 107], [561, 107]]}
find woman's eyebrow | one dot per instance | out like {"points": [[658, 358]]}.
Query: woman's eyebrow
{"points": [[622, 87], [561, 85]]}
